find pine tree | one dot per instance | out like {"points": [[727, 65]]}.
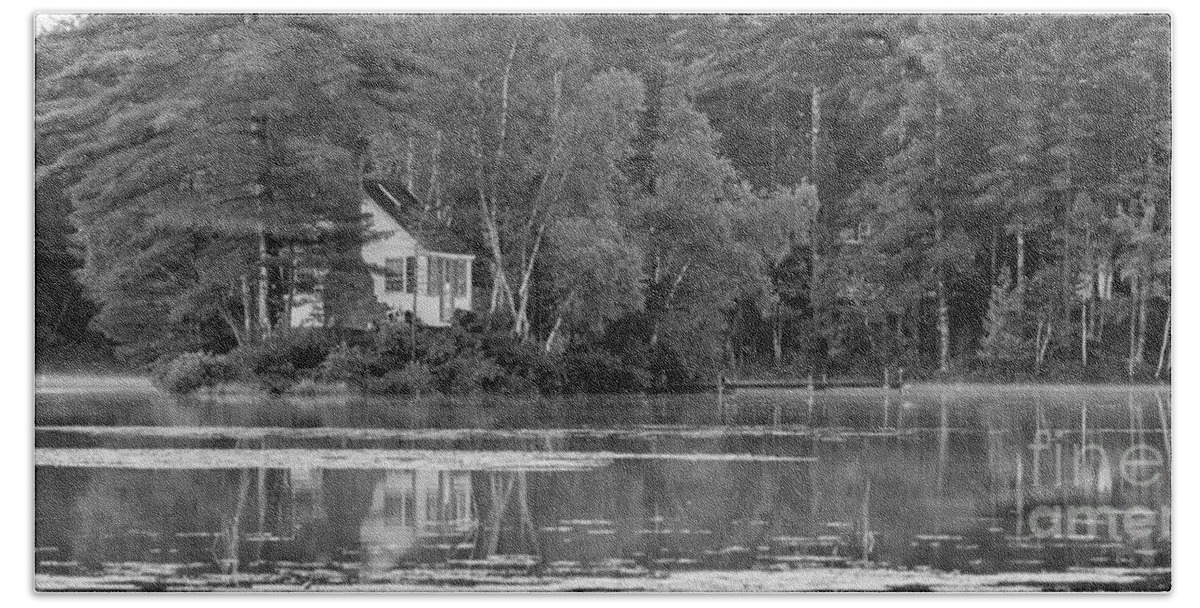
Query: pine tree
{"points": [[207, 147], [1002, 342]]}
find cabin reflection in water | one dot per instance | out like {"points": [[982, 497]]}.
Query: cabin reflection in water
{"points": [[947, 484], [413, 511]]}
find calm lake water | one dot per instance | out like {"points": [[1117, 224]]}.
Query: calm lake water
{"points": [[965, 487]]}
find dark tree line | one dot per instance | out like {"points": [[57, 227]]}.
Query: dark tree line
{"points": [[952, 193]]}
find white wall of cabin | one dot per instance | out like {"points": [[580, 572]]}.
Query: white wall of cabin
{"points": [[394, 242], [399, 243]]}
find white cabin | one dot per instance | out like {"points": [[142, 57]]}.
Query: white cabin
{"points": [[424, 270]]}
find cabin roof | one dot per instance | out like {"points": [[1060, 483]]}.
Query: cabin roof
{"points": [[409, 211]]}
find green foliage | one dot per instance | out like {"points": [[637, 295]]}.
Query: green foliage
{"points": [[1003, 342], [413, 379], [279, 362], [190, 371], [349, 364], [673, 192], [595, 370], [202, 148]]}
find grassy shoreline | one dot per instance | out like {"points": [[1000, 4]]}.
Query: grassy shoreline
{"points": [[72, 382]]}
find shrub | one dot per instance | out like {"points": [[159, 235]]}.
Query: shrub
{"points": [[190, 371], [414, 379], [278, 362], [1002, 344], [469, 373], [595, 370], [353, 365]]}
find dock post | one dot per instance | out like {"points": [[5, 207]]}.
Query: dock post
{"points": [[1020, 492], [720, 398]]}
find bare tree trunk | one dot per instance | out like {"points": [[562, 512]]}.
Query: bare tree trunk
{"points": [[1162, 348], [1037, 341], [1041, 353], [521, 322], [1021, 261], [667, 302], [553, 334], [994, 253], [777, 338], [1140, 354], [494, 301], [1083, 334], [264, 285], [814, 149], [408, 164], [1135, 294], [290, 301], [487, 210], [231, 322], [433, 194], [943, 306], [487, 204], [943, 324], [247, 307]]}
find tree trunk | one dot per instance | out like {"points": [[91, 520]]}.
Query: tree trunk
{"points": [[814, 229], [433, 193], [495, 298], [290, 302], [994, 253], [553, 334], [1037, 342], [777, 339], [521, 322], [500, 285], [1140, 354], [238, 335], [943, 325], [667, 302], [487, 204], [408, 164], [247, 308], [943, 305], [502, 130], [1135, 294], [1162, 348], [1021, 261], [264, 285], [1041, 353], [1083, 334]]}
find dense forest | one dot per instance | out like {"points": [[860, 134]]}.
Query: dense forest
{"points": [[667, 195]]}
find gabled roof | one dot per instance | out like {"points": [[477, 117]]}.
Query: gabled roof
{"points": [[408, 211]]}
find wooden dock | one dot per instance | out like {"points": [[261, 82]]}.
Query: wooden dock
{"points": [[890, 380]]}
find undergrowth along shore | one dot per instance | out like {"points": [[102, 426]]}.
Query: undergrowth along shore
{"points": [[401, 360]]}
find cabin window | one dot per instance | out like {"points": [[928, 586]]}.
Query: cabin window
{"points": [[458, 279], [410, 274], [393, 278], [857, 235], [437, 274]]}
